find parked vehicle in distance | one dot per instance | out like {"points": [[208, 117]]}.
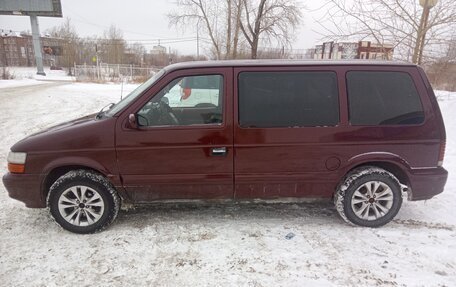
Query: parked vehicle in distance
{"points": [[364, 133]]}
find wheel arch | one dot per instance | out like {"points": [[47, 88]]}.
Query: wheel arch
{"points": [[393, 168], [57, 172], [387, 161], [56, 169]]}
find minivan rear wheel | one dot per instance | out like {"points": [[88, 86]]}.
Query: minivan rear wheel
{"points": [[83, 201], [369, 196]]}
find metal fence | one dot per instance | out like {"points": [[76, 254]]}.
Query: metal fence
{"points": [[113, 73]]}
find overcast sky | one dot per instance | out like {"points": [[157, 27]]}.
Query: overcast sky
{"points": [[143, 20]]}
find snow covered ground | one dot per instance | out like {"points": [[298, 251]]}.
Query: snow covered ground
{"points": [[29, 73], [218, 245]]}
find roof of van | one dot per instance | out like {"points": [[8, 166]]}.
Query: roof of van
{"points": [[283, 62]]}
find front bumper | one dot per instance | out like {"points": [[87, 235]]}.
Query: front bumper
{"points": [[25, 188], [426, 183]]}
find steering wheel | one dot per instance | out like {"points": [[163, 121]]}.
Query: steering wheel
{"points": [[160, 113], [171, 115]]}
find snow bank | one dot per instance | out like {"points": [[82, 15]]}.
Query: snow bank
{"points": [[30, 73]]}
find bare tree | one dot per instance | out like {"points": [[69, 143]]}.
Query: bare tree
{"points": [[442, 72], [451, 51], [269, 20], [135, 53], [394, 22], [113, 46], [223, 22], [66, 32], [220, 21], [237, 28], [87, 50]]}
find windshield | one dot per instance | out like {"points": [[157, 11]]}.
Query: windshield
{"points": [[133, 95]]}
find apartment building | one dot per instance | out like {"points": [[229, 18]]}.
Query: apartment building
{"points": [[353, 50]]}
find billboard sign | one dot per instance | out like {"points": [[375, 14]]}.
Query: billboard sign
{"points": [[44, 8]]}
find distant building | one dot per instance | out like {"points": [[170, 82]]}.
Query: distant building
{"points": [[350, 50], [16, 49], [158, 50]]}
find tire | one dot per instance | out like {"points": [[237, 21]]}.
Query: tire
{"points": [[83, 201], [369, 196]]}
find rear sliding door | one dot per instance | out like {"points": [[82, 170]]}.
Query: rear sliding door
{"points": [[286, 121]]}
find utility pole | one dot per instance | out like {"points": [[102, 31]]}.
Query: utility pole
{"points": [[37, 44], [197, 44], [197, 41], [422, 30], [169, 55], [96, 60]]}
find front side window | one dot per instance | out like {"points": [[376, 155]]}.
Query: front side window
{"points": [[192, 100], [135, 94], [383, 98], [288, 99]]}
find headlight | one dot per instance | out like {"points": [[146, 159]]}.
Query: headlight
{"points": [[16, 162]]}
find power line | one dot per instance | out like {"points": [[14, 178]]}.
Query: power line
{"points": [[131, 41], [160, 39], [148, 44], [88, 22]]}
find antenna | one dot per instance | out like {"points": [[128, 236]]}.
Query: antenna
{"points": [[121, 86]]}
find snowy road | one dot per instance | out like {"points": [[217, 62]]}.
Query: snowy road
{"points": [[229, 245], [30, 88]]}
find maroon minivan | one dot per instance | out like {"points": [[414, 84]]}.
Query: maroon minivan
{"points": [[361, 132]]}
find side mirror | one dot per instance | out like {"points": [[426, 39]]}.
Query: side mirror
{"points": [[132, 121]]}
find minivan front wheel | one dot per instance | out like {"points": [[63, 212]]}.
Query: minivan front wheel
{"points": [[369, 196], [82, 201]]}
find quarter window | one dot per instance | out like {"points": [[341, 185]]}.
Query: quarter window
{"points": [[288, 99], [383, 98]]}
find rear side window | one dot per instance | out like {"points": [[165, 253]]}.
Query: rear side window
{"points": [[288, 99], [383, 98]]}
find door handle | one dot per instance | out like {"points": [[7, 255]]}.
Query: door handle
{"points": [[218, 151]]}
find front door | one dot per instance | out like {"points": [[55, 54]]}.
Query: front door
{"points": [[183, 146]]}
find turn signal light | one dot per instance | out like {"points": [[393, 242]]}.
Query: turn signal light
{"points": [[16, 168]]}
